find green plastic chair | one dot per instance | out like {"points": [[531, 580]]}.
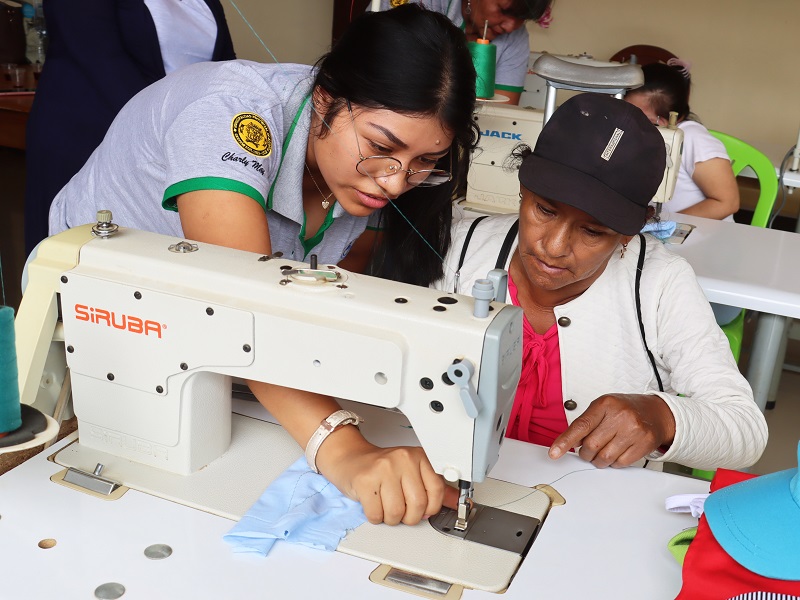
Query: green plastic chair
{"points": [[744, 155]]}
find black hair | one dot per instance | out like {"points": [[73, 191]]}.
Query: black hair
{"points": [[412, 61], [668, 89], [528, 9]]}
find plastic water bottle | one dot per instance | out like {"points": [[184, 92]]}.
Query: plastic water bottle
{"points": [[35, 33]]}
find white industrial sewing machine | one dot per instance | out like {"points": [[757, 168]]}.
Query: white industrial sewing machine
{"points": [[155, 328], [494, 188]]}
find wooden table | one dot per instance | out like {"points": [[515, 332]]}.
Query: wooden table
{"points": [[15, 104], [14, 108]]}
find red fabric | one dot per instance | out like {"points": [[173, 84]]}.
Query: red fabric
{"points": [[538, 412], [710, 574]]}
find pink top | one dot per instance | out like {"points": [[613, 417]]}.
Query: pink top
{"points": [[538, 413]]}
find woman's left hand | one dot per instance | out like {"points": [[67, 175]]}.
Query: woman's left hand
{"points": [[618, 429]]}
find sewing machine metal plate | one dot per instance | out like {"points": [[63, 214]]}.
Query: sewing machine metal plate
{"points": [[491, 526]]}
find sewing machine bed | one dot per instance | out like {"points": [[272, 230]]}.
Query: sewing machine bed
{"points": [[260, 451]]}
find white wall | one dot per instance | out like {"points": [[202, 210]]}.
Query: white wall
{"points": [[744, 55], [296, 31]]}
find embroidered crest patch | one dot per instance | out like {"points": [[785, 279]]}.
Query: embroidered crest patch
{"points": [[396, 3], [252, 133]]}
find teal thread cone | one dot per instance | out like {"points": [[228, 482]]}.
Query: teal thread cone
{"points": [[10, 412], [484, 57]]}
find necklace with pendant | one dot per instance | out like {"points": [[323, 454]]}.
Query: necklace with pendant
{"points": [[325, 199]]}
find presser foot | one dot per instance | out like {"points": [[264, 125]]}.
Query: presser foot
{"points": [[463, 513], [490, 526]]}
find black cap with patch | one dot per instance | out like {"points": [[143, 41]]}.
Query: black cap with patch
{"points": [[601, 155]]}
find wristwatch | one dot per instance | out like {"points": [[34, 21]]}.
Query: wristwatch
{"points": [[338, 419]]}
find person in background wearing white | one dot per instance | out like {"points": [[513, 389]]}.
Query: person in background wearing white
{"points": [[706, 186]]}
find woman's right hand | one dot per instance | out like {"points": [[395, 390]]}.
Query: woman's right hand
{"points": [[393, 485]]}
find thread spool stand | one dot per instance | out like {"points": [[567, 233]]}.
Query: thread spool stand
{"points": [[42, 427], [23, 426]]}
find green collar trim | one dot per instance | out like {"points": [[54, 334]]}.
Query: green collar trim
{"points": [[509, 88], [310, 243], [284, 148]]}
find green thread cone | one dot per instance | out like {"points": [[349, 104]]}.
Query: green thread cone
{"points": [[484, 57], [10, 414]]}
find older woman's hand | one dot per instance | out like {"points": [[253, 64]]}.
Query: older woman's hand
{"points": [[618, 429]]}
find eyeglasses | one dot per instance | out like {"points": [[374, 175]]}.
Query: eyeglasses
{"points": [[386, 166]]}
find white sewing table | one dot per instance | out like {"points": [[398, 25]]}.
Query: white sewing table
{"points": [[608, 542], [754, 268]]}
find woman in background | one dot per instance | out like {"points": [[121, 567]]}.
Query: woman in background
{"points": [[706, 186], [506, 30]]}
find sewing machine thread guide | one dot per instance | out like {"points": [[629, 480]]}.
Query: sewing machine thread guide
{"points": [[491, 526]]}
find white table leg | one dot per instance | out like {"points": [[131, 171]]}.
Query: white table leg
{"points": [[764, 355], [776, 375]]}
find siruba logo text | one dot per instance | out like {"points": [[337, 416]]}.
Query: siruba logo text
{"points": [[130, 323]]}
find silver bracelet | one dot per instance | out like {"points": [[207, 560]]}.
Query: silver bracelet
{"points": [[327, 427]]}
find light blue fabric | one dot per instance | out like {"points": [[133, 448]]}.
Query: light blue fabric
{"points": [[660, 229], [301, 507]]}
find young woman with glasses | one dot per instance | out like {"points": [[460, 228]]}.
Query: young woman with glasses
{"points": [[355, 160]]}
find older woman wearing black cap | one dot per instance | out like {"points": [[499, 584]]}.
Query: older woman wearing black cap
{"points": [[622, 357]]}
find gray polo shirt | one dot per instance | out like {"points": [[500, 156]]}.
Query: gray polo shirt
{"points": [[235, 125]]}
